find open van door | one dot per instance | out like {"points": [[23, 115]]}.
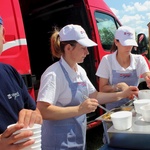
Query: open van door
{"points": [[15, 51]]}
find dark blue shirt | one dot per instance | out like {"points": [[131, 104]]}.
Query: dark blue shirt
{"points": [[14, 96]]}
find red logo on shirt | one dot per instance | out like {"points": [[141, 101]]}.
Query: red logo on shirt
{"points": [[125, 75], [82, 83]]}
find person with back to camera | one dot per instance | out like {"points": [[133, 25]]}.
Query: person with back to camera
{"points": [[121, 69], [16, 105], [64, 90]]}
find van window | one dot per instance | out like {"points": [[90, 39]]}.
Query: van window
{"points": [[107, 26]]}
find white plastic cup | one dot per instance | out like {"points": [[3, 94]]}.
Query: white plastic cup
{"points": [[36, 129], [145, 111], [144, 94], [139, 103], [122, 120], [35, 146]]}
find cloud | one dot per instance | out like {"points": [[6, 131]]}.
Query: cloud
{"points": [[137, 7], [148, 16], [135, 15], [128, 8], [140, 7], [143, 7], [132, 19], [115, 11]]}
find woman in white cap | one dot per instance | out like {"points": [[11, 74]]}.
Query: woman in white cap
{"points": [[64, 91], [121, 69]]}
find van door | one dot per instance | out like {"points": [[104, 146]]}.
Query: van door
{"points": [[104, 23], [15, 50], [40, 17]]}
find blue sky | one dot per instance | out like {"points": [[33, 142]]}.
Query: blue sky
{"points": [[133, 13]]}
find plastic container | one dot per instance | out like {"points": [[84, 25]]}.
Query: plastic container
{"points": [[144, 94], [36, 129], [122, 120], [139, 103], [145, 111]]}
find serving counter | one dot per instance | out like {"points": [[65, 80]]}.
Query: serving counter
{"points": [[137, 137]]}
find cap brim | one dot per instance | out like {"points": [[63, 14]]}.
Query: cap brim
{"points": [[86, 42], [129, 42]]}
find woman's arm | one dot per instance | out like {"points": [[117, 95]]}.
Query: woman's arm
{"points": [[104, 98], [52, 112], [104, 86]]}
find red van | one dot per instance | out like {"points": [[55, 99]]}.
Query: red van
{"points": [[28, 27]]}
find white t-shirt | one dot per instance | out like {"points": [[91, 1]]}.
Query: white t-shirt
{"points": [[109, 63], [54, 88]]}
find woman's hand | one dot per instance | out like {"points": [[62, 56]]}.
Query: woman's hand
{"points": [[122, 86], [130, 92], [147, 79], [26, 118], [89, 105], [29, 117]]}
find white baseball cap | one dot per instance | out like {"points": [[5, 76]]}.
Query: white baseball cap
{"points": [[76, 33], [126, 36]]}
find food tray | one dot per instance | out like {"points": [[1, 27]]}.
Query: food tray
{"points": [[106, 117]]}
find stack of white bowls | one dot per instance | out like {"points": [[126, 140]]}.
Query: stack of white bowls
{"points": [[145, 111], [139, 103], [36, 129], [144, 94]]}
